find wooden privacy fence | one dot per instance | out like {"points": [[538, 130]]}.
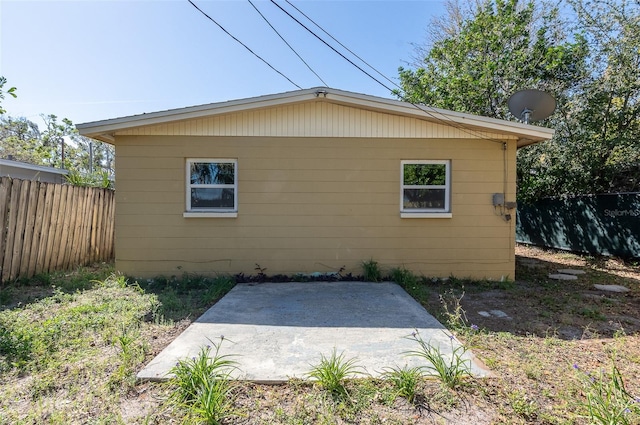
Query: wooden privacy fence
{"points": [[47, 227]]}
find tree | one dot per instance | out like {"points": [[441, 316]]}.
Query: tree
{"points": [[484, 52], [502, 48], [22, 140], [10, 91], [59, 145], [597, 143]]}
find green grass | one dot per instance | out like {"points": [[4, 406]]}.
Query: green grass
{"points": [[85, 345], [187, 296]]}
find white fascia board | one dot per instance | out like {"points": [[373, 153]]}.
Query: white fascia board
{"points": [[445, 117], [192, 112]]}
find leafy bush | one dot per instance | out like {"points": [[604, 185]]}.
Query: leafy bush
{"points": [[98, 179]]}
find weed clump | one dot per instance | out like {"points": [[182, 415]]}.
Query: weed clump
{"points": [[203, 385], [331, 373], [608, 401], [405, 381], [451, 372], [371, 271]]}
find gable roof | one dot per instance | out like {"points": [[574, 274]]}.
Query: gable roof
{"points": [[467, 123]]}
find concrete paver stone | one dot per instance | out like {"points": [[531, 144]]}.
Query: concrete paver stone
{"points": [[562, 276], [572, 271], [612, 288]]}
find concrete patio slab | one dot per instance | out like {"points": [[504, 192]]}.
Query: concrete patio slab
{"points": [[275, 331]]}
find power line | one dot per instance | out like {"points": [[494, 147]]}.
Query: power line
{"points": [[285, 42], [242, 44], [430, 111], [329, 46], [342, 45]]}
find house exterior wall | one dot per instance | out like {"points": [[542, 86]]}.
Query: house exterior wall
{"points": [[312, 204]]}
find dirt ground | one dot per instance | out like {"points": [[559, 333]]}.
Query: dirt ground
{"points": [[567, 309]]}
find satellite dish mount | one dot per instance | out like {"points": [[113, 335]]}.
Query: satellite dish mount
{"points": [[531, 105]]}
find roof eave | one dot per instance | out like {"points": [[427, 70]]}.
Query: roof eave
{"points": [[527, 134]]}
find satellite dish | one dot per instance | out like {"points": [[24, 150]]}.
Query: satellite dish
{"points": [[531, 105]]}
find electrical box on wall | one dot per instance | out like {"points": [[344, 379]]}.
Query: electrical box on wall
{"points": [[498, 199]]}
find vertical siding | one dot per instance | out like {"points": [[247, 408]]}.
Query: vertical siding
{"points": [[312, 119], [311, 204]]}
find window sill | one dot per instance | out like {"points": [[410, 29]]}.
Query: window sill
{"points": [[209, 214], [426, 215]]}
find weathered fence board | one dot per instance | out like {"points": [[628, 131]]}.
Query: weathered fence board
{"points": [[598, 224], [46, 227]]}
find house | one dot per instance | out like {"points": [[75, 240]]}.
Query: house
{"points": [[25, 171], [316, 180]]}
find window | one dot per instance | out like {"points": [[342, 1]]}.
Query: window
{"points": [[212, 187], [426, 187]]}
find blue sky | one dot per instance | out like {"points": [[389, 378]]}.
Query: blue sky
{"points": [[92, 60]]}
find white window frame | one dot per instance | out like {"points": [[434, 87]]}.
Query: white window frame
{"points": [[427, 212], [211, 212]]}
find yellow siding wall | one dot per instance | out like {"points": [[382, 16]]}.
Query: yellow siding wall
{"points": [[313, 204], [316, 118]]}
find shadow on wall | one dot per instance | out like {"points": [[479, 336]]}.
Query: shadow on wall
{"points": [[598, 224]]}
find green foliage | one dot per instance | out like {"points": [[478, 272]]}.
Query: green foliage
{"points": [[63, 326], [405, 380], [218, 289], [191, 375], [523, 406], [418, 288], [498, 50], [451, 372], [454, 315], [11, 91], [24, 141], [180, 296], [131, 351], [597, 143], [608, 401], [331, 373], [96, 179], [203, 385], [587, 58], [425, 174], [403, 277], [371, 271]]}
